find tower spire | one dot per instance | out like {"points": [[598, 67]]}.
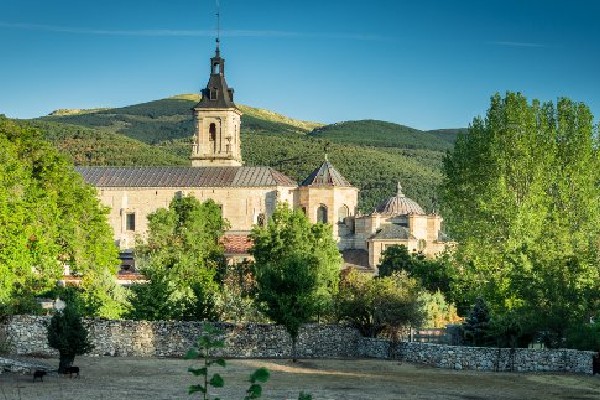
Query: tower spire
{"points": [[218, 38]]}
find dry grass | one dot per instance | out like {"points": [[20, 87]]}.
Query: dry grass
{"points": [[148, 379]]}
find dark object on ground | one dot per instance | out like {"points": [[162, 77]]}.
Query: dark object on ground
{"points": [[71, 371], [38, 373], [596, 364]]}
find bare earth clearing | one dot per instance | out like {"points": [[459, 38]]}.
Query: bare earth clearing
{"points": [[149, 379]]}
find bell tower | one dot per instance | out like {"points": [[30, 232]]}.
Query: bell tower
{"points": [[216, 121]]}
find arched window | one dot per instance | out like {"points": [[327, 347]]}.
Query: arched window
{"points": [[343, 212], [261, 219], [322, 214]]}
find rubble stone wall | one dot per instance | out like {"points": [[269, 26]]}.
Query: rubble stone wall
{"points": [[27, 335]]}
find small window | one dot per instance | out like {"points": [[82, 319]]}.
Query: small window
{"points": [[216, 68], [261, 219], [212, 130], [130, 221], [343, 212], [322, 214], [213, 94]]}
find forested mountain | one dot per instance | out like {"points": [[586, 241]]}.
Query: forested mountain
{"points": [[386, 134], [373, 155]]}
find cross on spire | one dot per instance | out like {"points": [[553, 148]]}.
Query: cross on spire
{"points": [[400, 194]]}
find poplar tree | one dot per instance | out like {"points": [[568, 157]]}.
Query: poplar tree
{"points": [[521, 197]]}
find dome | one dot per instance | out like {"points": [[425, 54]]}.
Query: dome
{"points": [[399, 205]]}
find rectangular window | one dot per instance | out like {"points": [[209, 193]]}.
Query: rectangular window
{"points": [[130, 221]]}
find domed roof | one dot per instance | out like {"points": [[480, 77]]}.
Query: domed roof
{"points": [[399, 205], [325, 175]]}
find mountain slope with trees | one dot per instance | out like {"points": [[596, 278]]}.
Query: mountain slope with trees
{"points": [[373, 155]]}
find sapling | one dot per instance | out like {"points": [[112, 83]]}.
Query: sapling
{"points": [[206, 344]]}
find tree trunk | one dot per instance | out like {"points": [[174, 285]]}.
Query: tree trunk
{"points": [[65, 361], [294, 349]]}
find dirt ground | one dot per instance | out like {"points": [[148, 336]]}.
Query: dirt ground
{"points": [[149, 379]]}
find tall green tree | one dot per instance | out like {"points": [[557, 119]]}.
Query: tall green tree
{"points": [[287, 289], [180, 257], [520, 195], [289, 233], [297, 269], [48, 217]]}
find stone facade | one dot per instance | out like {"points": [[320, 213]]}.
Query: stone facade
{"points": [[246, 197], [173, 339], [242, 207]]}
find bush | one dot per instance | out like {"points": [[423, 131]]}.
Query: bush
{"points": [[584, 337], [68, 335]]}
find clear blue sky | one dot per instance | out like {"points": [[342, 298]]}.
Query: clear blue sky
{"points": [[427, 63]]}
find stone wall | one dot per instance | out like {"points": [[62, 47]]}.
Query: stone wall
{"points": [[481, 358], [173, 339]]}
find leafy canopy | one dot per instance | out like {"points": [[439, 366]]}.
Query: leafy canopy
{"points": [[373, 304], [180, 257], [521, 196], [297, 269], [49, 217]]}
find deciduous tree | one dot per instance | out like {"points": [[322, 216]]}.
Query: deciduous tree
{"points": [[297, 268], [374, 304], [48, 217], [180, 258], [521, 197]]}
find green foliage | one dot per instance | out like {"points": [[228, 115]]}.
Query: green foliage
{"points": [[290, 239], [477, 325], [374, 304], [207, 342], [49, 217], [297, 269], [520, 195], [68, 335], [100, 146], [287, 289], [237, 297], [385, 134], [437, 311], [435, 275], [584, 337], [180, 258]]}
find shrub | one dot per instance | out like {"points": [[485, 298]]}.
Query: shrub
{"points": [[68, 335]]}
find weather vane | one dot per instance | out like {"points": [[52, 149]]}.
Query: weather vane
{"points": [[218, 3]]}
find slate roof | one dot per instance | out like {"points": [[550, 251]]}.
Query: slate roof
{"points": [[156, 177], [326, 175], [392, 231], [216, 83]]}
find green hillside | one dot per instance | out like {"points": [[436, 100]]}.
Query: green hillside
{"points": [[373, 155], [95, 147], [385, 134], [171, 118]]}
